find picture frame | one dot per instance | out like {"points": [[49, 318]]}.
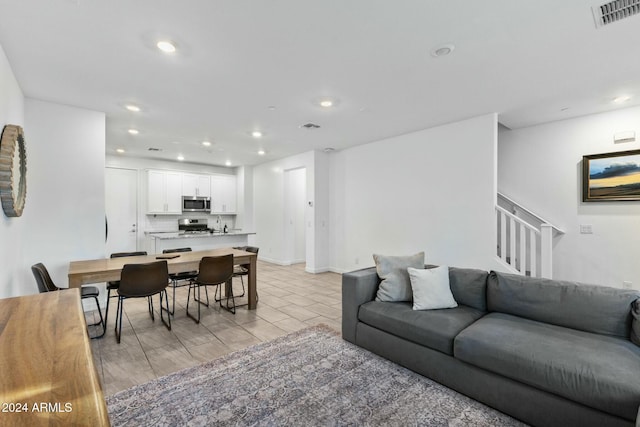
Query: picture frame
{"points": [[611, 176]]}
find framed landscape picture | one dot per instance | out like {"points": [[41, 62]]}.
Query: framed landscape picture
{"points": [[611, 176]]}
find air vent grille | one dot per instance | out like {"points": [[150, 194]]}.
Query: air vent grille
{"points": [[310, 126], [614, 11]]}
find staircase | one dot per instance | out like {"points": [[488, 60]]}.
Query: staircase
{"points": [[524, 239]]}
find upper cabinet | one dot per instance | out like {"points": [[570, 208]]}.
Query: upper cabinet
{"points": [[196, 185], [223, 194], [164, 191]]}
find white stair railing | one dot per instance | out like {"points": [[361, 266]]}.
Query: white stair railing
{"points": [[524, 247]]}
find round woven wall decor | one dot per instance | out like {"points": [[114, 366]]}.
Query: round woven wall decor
{"points": [[13, 170]]}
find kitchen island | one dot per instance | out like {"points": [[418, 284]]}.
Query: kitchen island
{"points": [[159, 241]]}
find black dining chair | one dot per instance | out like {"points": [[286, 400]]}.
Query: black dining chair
{"points": [[243, 269], [45, 284], [178, 277], [143, 281], [213, 271], [115, 284]]}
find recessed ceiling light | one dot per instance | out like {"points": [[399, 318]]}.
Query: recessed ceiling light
{"points": [[256, 134], [228, 163], [261, 152], [132, 107], [120, 150], [326, 102], [442, 50], [206, 143], [181, 157], [166, 46], [621, 98], [134, 131]]}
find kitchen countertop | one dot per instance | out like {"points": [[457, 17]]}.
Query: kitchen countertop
{"points": [[180, 235]]}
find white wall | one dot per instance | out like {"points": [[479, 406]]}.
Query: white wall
{"points": [[269, 209], [63, 218], [431, 191], [65, 209], [540, 167], [12, 229]]}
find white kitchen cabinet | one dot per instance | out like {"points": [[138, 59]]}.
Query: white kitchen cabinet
{"points": [[164, 192], [194, 185], [223, 194]]}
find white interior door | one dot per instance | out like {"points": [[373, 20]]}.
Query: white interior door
{"points": [[121, 190], [295, 226]]}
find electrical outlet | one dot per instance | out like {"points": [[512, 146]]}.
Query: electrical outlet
{"points": [[357, 261], [627, 285]]}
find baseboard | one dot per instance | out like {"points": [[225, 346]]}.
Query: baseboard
{"points": [[274, 261], [317, 270]]}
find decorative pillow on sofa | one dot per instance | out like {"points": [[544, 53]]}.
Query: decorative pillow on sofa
{"points": [[431, 289], [395, 285], [635, 324]]}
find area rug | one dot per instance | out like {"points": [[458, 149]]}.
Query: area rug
{"points": [[311, 377]]}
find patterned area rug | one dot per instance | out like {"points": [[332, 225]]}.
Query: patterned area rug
{"points": [[311, 377]]}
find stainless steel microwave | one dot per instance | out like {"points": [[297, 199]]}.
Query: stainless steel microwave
{"points": [[196, 204]]}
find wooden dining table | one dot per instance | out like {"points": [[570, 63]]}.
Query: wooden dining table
{"points": [[109, 269]]}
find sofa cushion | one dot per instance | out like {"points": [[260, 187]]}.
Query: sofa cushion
{"points": [[435, 329], [596, 370], [395, 285], [469, 287], [635, 324], [431, 288], [589, 308]]}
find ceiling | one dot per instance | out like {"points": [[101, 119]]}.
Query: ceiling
{"points": [[244, 65]]}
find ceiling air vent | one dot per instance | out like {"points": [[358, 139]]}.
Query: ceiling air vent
{"points": [[313, 125], [614, 11], [154, 149]]}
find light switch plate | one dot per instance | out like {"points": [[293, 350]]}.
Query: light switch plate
{"points": [[586, 229]]}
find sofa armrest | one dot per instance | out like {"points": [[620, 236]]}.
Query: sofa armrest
{"points": [[358, 287]]}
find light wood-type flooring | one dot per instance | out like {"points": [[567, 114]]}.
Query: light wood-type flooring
{"points": [[289, 299]]}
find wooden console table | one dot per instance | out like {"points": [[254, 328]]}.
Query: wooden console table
{"points": [[47, 375]]}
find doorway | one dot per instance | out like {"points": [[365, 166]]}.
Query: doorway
{"points": [[295, 191], [121, 207]]}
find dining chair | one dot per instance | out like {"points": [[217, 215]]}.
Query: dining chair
{"points": [[178, 277], [213, 271], [143, 281], [45, 284], [243, 269], [115, 284]]}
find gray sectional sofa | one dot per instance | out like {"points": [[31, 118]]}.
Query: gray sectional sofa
{"points": [[547, 352]]}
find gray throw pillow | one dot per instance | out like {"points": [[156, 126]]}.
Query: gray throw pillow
{"points": [[635, 324], [395, 285]]}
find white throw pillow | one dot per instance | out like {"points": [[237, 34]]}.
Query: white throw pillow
{"points": [[431, 288]]}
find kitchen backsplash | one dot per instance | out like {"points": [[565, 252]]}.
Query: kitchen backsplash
{"points": [[170, 222]]}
